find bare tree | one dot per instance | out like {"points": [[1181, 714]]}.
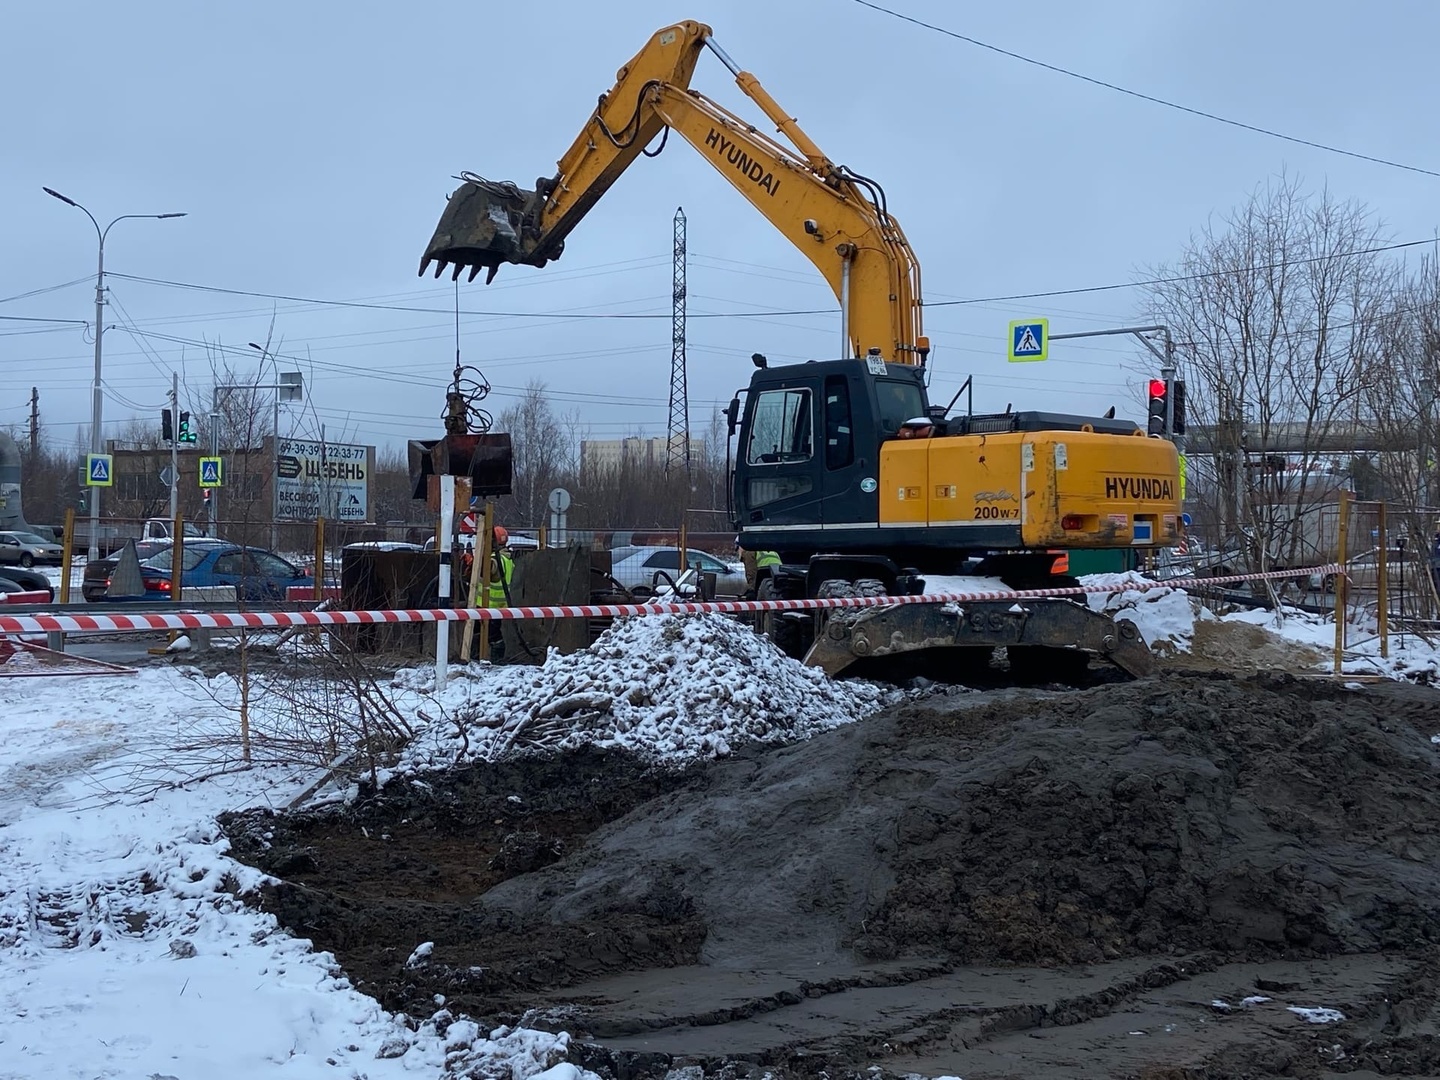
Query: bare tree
{"points": [[1278, 310], [1403, 401], [544, 451]]}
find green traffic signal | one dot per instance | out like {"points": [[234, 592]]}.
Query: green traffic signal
{"points": [[187, 434]]}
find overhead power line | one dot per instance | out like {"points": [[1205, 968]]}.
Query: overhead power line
{"points": [[46, 289], [1180, 278], [1148, 97], [761, 315], [451, 311]]}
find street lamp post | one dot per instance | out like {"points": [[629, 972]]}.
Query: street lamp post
{"points": [[274, 448], [96, 443]]}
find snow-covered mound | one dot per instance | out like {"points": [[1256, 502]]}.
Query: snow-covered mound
{"points": [[1164, 617], [669, 686]]}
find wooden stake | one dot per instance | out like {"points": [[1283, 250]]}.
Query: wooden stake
{"points": [[1382, 584], [67, 556], [479, 586], [1340, 581]]}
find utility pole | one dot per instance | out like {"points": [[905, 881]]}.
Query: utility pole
{"points": [[214, 522], [34, 422], [175, 446], [677, 449]]}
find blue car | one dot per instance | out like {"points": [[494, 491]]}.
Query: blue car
{"points": [[259, 577]]}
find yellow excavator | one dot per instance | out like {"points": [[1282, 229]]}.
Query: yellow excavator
{"points": [[843, 466]]}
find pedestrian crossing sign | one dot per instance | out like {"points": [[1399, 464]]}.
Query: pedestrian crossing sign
{"points": [[212, 472], [99, 470], [1029, 340]]}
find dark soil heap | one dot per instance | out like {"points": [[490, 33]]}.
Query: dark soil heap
{"points": [[1254, 817]]}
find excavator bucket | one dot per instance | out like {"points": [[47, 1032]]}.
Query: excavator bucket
{"points": [[850, 637], [487, 460], [485, 224]]}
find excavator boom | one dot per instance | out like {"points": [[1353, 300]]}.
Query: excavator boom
{"points": [[836, 217]]}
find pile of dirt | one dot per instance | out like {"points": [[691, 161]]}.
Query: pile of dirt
{"points": [[1266, 814], [1263, 817], [375, 879], [1241, 646]]}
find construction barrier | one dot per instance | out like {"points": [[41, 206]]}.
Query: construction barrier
{"points": [[273, 620], [34, 597]]}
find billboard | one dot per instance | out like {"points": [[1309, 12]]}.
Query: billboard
{"points": [[314, 479]]}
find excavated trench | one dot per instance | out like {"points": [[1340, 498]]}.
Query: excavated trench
{"points": [[1015, 883]]}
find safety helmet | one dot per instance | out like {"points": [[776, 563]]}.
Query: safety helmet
{"points": [[502, 537]]}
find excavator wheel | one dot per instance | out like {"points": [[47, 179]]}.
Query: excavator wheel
{"points": [[786, 631]]}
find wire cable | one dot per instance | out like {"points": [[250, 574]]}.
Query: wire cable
{"points": [[1148, 97], [1176, 279], [42, 292], [439, 311], [1180, 278]]}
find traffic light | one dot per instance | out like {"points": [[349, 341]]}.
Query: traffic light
{"points": [[167, 425], [1159, 406], [1177, 395], [187, 434]]}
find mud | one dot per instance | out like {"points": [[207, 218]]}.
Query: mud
{"points": [[1015, 883]]}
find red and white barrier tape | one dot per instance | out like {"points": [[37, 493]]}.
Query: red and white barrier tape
{"points": [[34, 596], [272, 620]]}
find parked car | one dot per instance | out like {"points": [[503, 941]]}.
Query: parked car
{"points": [[466, 541], [638, 570], [27, 549], [1363, 571], [13, 579], [96, 580], [258, 576]]}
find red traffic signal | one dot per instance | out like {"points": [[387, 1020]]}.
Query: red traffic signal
{"points": [[1159, 427]]}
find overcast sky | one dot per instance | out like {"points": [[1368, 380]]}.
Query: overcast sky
{"points": [[312, 146]]}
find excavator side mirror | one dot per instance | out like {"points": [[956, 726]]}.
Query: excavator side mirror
{"points": [[732, 414]]}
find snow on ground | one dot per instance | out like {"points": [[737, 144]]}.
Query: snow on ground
{"points": [[667, 686], [124, 952], [1166, 620], [1411, 656], [1164, 617], [54, 574], [125, 949]]}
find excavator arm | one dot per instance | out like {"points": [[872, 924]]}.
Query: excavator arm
{"points": [[836, 217]]}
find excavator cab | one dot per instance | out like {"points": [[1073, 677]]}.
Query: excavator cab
{"points": [[808, 464]]}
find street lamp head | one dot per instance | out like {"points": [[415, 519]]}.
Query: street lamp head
{"points": [[252, 344], [163, 216], [57, 195]]}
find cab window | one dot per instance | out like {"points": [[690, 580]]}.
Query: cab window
{"points": [[899, 400], [780, 427], [839, 433]]}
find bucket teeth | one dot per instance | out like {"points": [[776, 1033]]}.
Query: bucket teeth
{"points": [[425, 265], [440, 268], [491, 275], [474, 270], [459, 268]]}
